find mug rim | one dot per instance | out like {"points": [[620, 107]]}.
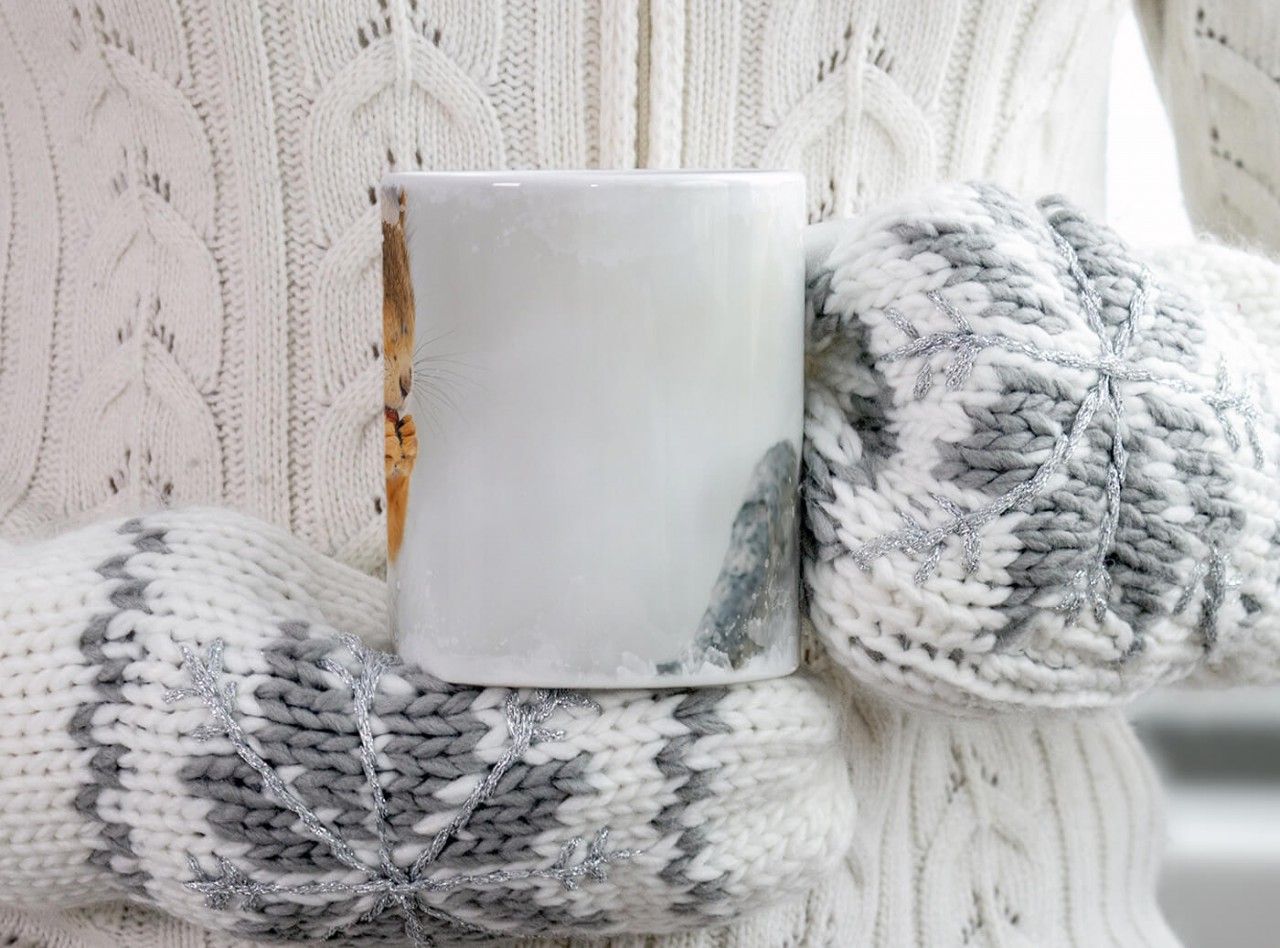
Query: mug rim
{"points": [[597, 176]]}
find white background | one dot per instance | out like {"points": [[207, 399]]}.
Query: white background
{"points": [[1144, 199]]}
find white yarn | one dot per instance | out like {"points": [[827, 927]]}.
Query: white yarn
{"points": [[726, 799], [1218, 62], [966, 319]]}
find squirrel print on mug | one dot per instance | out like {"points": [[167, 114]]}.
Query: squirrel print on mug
{"points": [[401, 435]]}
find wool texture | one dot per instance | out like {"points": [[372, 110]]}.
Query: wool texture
{"points": [[1037, 472], [201, 737], [1218, 66]]}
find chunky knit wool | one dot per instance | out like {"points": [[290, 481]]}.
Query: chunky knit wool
{"points": [[1037, 472], [191, 242], [200, 737], [129, 768]]}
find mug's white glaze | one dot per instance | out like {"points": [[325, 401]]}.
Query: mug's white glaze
{"points": [[608, 393]]}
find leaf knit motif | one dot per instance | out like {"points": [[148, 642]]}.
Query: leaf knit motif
{"points": [[398, 88], [146, 366]]}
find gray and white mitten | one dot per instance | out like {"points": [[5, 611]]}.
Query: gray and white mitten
{"points": [[191, 715], [1037, 473]]}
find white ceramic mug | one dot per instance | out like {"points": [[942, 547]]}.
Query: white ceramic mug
{"points": [[608, 396]]}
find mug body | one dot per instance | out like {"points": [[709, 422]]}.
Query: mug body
{"points": [[602, 375]]}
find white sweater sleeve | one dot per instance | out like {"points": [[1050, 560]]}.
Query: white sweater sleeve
{"points": [[1218, 64]]}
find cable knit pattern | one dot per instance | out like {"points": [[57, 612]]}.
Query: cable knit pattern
{"points": [[879, 98], [198, 177], [199, 736], [1036, 473], [994, 853], [143, 375]]}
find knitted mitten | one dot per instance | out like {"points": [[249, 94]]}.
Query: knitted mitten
{"points": [[1036, 472], [183, 722]]}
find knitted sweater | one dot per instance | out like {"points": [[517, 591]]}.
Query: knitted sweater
{"points": [[190, 262]]}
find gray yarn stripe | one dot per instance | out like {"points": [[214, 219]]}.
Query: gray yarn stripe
{"points": [[114, 838], [698, 713], [428, 737]]}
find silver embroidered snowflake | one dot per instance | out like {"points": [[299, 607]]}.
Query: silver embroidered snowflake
{"points": [[1090, 587], [394, 888]]}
